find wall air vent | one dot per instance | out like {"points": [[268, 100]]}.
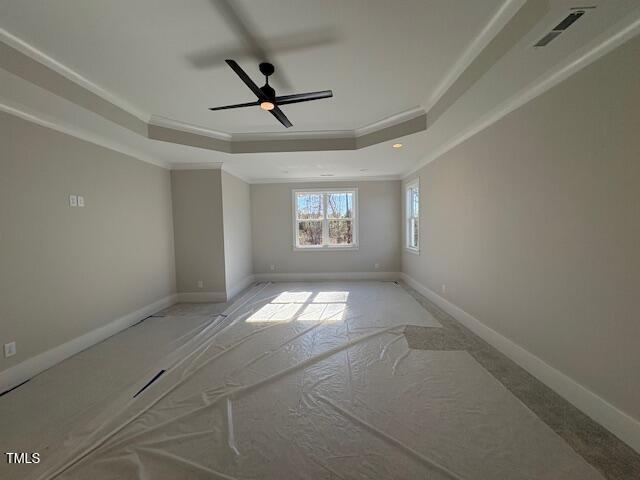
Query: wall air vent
{"points": [[565, 23]]}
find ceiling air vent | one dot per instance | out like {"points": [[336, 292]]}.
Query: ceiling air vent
{"points": [[566, 22], [547, 38]]}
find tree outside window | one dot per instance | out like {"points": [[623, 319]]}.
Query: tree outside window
{"points": [[325, 219]]}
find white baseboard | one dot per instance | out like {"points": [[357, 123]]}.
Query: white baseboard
{"points": [[202, 297], [616, 421], [239, 286], [206, 297], [27, 369], [314, 277]]}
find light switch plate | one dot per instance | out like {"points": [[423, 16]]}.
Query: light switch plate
{"points": [[9, 349], [80, 201], [73, 200]]}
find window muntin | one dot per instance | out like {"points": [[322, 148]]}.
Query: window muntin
{"points": [[325, 219], [412, 234]]}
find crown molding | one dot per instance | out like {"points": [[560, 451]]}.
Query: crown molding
{"points": [[619, 34], [260, 181], [390, 121], [380, 178], [395, 126], [501, 17], [165, 122], [306, 135], [400, 125], [51, 63], [529, 14], [197, 166], [38, 118]]}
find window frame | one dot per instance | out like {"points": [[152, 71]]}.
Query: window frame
{"points": [[409, 214], [325, 221]]}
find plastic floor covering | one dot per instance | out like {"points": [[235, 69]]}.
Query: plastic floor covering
{"points": [[312, 381]]}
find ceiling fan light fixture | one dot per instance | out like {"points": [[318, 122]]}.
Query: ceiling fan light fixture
{"points": [[267, 105], [267, 99]]}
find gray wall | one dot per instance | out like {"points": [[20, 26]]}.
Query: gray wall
{"points": [[66, 271], [534, 226], [197, 220], [379, 240], [236, 207]]}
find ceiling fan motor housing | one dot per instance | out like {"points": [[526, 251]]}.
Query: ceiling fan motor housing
{"points": [[268, 91]]}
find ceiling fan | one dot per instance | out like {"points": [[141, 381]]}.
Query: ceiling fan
{"points": [[267, 99]]}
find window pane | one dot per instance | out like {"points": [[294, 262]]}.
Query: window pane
{"points": [[416, 201], [413, 233], [340, 205], [309, 205], [310, 233], [340, 232]]}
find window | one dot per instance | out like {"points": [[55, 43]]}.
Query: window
{"points": [[412, 210], [325, 219]]}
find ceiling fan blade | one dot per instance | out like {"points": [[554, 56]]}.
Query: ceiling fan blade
{"points": [[282, 118], [278, 44], [237, 105], [245, 78], [240, 22], [238, 19], [303, 97]]}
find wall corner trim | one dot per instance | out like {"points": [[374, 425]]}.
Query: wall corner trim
{"points": [[239, 286], [616, 421], [32, 366]]}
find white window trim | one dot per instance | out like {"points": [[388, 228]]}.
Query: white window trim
{"points": [[408, 248], [325, 248]]}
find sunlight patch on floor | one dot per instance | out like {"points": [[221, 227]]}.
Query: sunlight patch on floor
{"points": [[303, 307]]}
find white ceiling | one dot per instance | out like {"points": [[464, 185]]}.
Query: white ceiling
{"points": [[384, 57]]}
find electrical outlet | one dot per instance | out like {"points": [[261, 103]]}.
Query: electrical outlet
{"points": [[73, 200], [272, 267], [9, 349], [376, 266], [80, 201], [200, 284], [444, 288]]}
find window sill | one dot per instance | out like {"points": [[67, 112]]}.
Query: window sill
{"points": [[325, 249], [413, 251]]}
